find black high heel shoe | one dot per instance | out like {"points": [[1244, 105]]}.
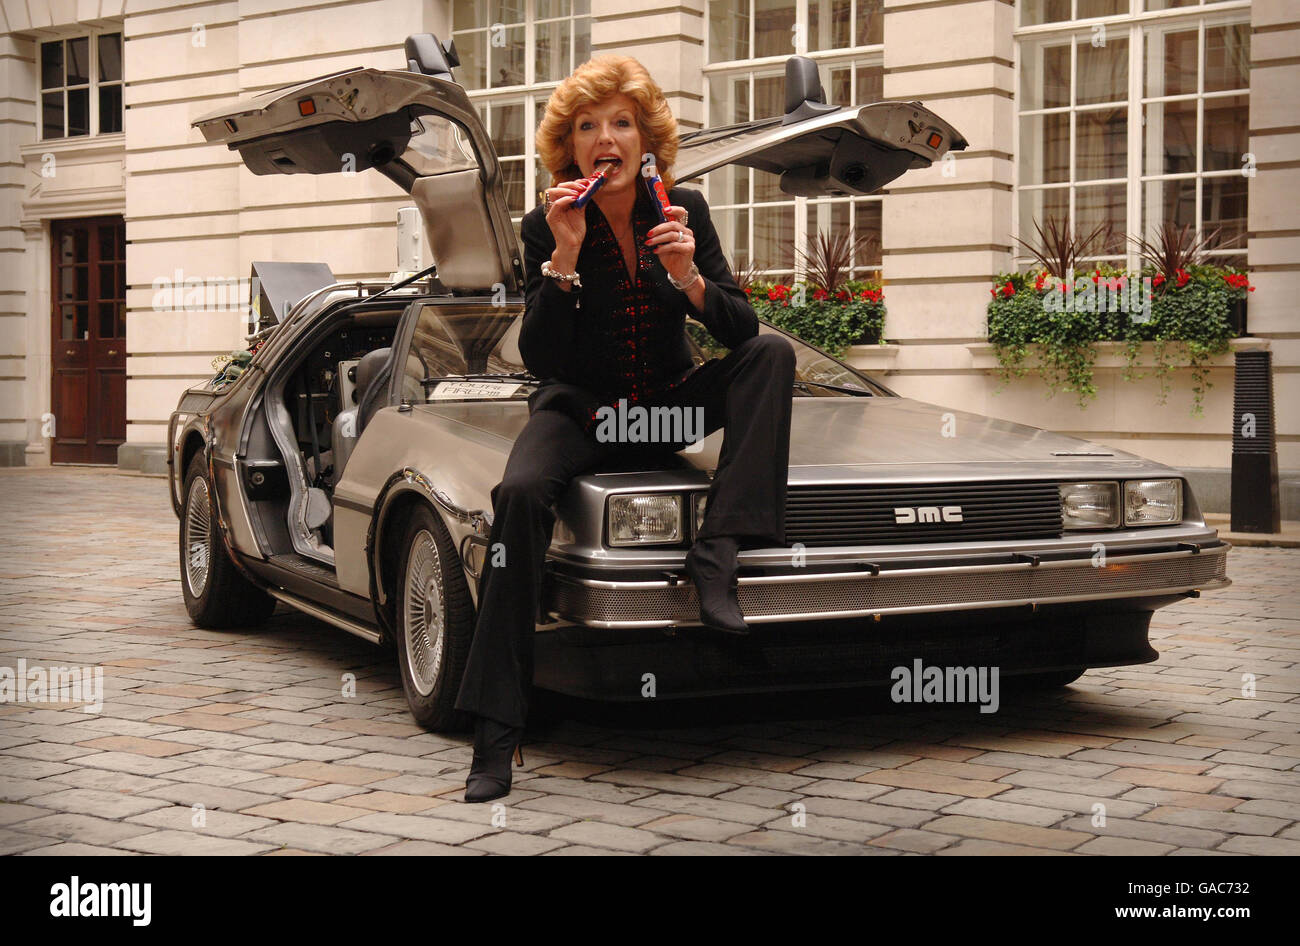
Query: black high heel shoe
{"points": [[711, 564], [495, 746]]}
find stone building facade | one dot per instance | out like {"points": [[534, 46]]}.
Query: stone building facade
{"points": [[1127, 111]]}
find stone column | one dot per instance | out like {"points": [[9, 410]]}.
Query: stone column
{"points": [[1273, 249], [668, 40], [947, 228]]}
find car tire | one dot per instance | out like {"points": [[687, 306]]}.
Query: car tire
{"points": [[1052, 680], [216, 594], [434, 622]]}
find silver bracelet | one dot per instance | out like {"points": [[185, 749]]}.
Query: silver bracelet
{"points": [[691, 276], [549, 270]]}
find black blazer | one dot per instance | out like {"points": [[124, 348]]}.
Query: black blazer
{"points": [[553, 342]]}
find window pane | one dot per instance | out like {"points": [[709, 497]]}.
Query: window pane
{"points": [[1153, 5], [110, 109], [1101, 144], [581, 41], [866, 216], [728, 30], [733, 234], [839, 91], [551, 62], [52, 65], [1179, 71], [828, 23], [773, 28], [1223, 205], [769, 96], [1227, 57], [507, 61], [472, 49], [1103, 72], [52, 115], [1045, 148], [545, 9], [1045, 74], [79, 61], [1096, 205], [468, 14], [78, 112], [507, 122], [828, 220], [774, 237], [1091, 8], [1037, 207], [1168, 202], [871, 23], [871, 85], [512, 181], [1170, 137], [506, 11], [1044, 11], [1226, 133], [107, 320], [110, 57]]}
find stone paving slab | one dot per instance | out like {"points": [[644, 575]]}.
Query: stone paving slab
{"points": [[243, 742]]}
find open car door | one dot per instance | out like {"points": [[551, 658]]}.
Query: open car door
{"points": [[417, 128], [820, 149]]}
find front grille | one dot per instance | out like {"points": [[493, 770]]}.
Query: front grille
{"points": [[864, 515]]}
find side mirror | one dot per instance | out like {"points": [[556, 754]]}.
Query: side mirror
{"points": [[427, 56], [804, 97]]}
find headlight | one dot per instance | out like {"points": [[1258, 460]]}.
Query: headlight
{"points": [[645, 519], [1089, 505], [1152, 502], [698, 502]]}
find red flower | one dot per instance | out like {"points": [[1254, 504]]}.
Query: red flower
{"points": [[842, 295], [1182, 277], [778, 293], [749, 290], [1009, 290], [993, 293], [1038, 283], [819, 294], [1239, 281], [1159, 279]]}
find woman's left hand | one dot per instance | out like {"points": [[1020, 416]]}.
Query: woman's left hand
{"points": [[674, 251]]}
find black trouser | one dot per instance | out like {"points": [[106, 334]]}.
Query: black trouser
{"points": [[748, 392]]}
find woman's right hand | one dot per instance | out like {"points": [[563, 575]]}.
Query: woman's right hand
{"points": [[568, 226]]}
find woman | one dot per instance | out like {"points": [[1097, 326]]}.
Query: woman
{"points": [[608, 291]]}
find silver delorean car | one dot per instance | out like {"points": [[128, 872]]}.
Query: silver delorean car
{"points": [[346, 470]]}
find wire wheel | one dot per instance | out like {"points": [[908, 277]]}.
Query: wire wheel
{"points": [[198, 536], [425, 616]]}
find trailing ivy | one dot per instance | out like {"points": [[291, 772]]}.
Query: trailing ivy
{"points": [[1188, 318]]}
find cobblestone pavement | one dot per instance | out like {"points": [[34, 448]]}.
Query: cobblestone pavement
{"points": [[253, 727]]}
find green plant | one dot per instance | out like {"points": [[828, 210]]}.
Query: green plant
{"points": [[747, 275], [854, 314], [1175, 248], [1187, 314], [830, 259], [1058, 249]]}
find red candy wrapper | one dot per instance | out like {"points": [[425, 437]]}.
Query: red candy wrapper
{"points": [[658, 193]]}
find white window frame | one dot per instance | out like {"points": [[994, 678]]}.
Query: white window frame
{"points": [[1133, 25], [92, 87], [852, 57], [528, 95]]}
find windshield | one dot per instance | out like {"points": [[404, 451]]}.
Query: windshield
{"points": [[471, 352], [438, 145]]}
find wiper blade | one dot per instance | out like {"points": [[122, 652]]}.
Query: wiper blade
{"points": [[522, 376], [805, 385]]}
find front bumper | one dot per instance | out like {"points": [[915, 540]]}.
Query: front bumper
{"points": [[867, 590]]}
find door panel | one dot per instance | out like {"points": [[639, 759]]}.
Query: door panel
{"points": [[88, 344]]}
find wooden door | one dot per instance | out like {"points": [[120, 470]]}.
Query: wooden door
{"points": [[88, 344]]}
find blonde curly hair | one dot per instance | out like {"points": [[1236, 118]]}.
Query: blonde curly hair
{"points": [[593, 82]]}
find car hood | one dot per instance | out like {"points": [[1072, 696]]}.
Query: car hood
{"points": [[843, 438]]}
